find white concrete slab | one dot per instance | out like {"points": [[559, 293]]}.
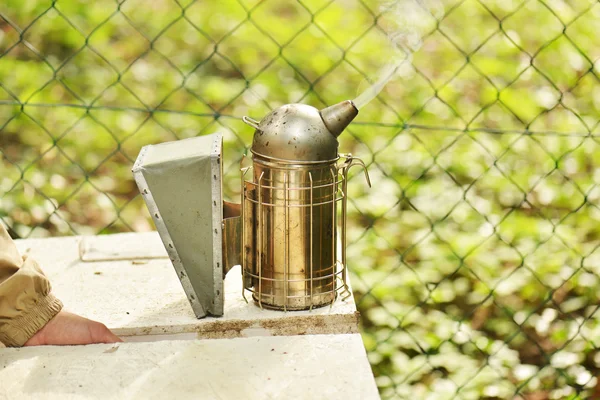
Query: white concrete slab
{"points": [[138, 297], [297, 367], [130, 246]]}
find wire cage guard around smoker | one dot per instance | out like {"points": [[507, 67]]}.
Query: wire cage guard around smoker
{"points": [[292, 233]]}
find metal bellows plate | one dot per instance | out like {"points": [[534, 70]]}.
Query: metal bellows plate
{"points": [[181, 184]]}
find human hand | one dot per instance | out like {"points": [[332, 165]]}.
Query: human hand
{"points": [[71, 329]]}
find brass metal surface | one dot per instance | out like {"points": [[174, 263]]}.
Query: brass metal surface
{"points": [[292, 224], [290, 197], [291, 251]]}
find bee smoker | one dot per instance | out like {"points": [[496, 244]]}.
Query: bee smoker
{"points": [[288, 233]]}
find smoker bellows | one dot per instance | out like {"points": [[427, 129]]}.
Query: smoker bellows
{"points": [[288, 233]]}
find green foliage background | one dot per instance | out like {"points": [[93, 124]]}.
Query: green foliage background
{"points": [[474, 257]]}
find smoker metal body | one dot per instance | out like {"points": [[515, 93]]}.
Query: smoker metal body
{"points": [[291, 196], [288, 233]]}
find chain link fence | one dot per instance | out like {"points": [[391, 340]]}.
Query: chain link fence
{"points": [[474, 256]]}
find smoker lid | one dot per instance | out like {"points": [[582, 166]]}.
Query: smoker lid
{"points": [[181, 184], [293, 132]]}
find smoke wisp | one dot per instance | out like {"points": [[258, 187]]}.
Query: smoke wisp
{"points": [[406, 22]]}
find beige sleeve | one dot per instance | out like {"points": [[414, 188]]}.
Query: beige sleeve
{"points": [[26, 304]]}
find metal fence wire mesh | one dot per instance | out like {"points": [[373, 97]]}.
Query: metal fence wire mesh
{"points": [[475, 256]]}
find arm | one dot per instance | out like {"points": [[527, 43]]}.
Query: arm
{"points": [[29, 313], [26, 304]]}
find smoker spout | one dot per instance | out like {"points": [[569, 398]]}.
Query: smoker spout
{"points": [[338, 116]]}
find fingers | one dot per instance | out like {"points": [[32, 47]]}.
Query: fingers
{"points": [[101, 334], [109, 337], [71, 329]]}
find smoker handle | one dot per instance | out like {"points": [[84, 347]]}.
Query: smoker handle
{"points": [[352, 161], [251, 121]]}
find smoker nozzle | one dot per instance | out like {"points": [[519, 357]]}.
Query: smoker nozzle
{"points": [[338, 116]]}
